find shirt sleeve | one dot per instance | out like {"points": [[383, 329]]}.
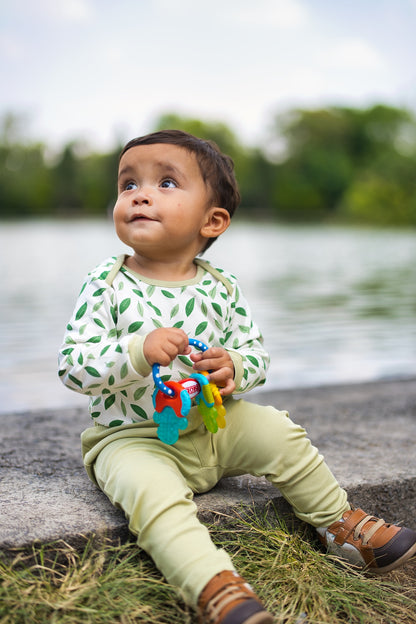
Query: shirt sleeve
{"points": [[244, 342], [94, 358]]}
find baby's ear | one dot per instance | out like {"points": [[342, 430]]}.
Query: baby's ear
{"points": [[217, 221]]}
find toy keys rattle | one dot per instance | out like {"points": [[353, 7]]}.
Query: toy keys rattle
{"points": [[173, 400]]}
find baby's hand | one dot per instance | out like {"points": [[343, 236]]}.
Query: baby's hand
{"points": [[219, 362], [162, 345]]}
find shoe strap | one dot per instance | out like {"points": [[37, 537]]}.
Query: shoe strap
{"points": [[215, 607], [368, 534]]}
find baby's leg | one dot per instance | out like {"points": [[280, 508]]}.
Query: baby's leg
{"points": [[264, 442], [141, 477]]}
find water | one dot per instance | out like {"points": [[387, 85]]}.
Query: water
{"points": [[335, 305]]}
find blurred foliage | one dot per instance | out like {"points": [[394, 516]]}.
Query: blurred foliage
{"points": [[337, 164]]}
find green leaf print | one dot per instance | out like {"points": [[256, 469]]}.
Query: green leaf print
{"points": [[111, 380], [150, 290], [124, 305], [139, 393], [80, 313], [105, 350], [174, 311], [157, 323], [95, 414], [74, 380], [113, 311], [190, 306], [119, 349], [253, 360], [227, 336], [158, 312], [124, 370], [92, 371], [139, 411], [241, 311], [98, 292], [115, 423], [217, 308], [133, 327], [138, 292], [201, 328], [110, 400], [99, 322], [69, 327], [82, 329], [123, 408], [67, 351], [167, 294], [97, 306], [80, 359], [185, 360], [202, 292], [94, 339], [244, 329], [178, 324], [204, 308]]}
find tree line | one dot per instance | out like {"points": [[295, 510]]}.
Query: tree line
{"points": [[336, 164]]}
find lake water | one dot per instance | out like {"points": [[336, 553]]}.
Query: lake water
{"points": [[335, 305]]}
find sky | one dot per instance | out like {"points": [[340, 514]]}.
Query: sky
{"points": [[101, 71]]}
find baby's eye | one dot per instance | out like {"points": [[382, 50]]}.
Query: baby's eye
{"points": [[168, 183], [130, 186]]}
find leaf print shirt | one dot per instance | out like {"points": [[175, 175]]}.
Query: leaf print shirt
{"points": [[102, 355]]}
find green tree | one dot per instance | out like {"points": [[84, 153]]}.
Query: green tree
{"points": [[342, 162], [25, 185]]}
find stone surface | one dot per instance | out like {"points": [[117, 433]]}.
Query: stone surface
{"points": [[366, 432]]}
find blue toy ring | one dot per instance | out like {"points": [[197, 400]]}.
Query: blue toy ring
{"points": [[156, 368]]}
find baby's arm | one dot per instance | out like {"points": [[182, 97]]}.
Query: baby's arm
{"points": [[96, 355], [244, 343]]}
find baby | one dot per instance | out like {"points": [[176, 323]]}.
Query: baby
{"points": [[176, 195]]}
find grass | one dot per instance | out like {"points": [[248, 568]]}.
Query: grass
{"points": [[119, 583]]}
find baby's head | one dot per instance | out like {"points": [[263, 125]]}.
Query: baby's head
{"points": [[217, 169]]}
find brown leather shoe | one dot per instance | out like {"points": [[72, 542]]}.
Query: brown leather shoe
{"points": [[228, 599], [369, 542]]}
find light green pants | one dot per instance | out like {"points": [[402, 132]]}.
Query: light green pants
{"points": [[154, 483]]}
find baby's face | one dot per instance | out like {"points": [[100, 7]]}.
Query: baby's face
{"points": [[162, 201]]}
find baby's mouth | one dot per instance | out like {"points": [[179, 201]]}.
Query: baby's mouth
{"points": [[141, 217]]}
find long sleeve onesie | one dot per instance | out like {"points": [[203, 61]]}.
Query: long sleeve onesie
{"points": [[102, 354]]}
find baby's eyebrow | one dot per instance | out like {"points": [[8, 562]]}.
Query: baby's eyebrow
{"points": [[168, 168], [125, 171]]}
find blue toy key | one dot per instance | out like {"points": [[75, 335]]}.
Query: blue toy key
{"points": [[172, 402]]}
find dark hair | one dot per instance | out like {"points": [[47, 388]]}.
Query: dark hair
{"points": [[217, 169]]}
